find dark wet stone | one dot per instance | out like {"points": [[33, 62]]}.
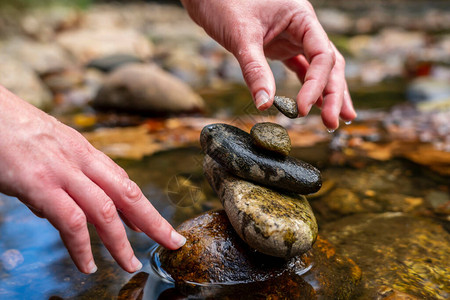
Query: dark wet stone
{"points": [[410, 254], [134, 288], [273, 223], [216, 256], [271, 137], [112, 62], [233, 149], [287, 106]]}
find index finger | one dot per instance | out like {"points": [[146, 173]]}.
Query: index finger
{"points": [[132, 203]]}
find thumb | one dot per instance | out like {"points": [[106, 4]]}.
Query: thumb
{"points": [[257, 75]]}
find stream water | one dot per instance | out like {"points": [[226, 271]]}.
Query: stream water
{"points": [[35, 264]]}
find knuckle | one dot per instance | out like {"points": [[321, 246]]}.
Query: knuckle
{"points": [[332, 55], [340, 60], [252, 71], [41, 174], [309, 6], [109, 212], [81, 151], [132, 192], [76, 222]]}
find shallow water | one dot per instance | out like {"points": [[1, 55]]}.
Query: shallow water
{"points": [[35, 264]]}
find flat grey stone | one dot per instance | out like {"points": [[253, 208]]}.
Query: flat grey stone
{"points": [[287, 106], [281, 225], [233, 149]]}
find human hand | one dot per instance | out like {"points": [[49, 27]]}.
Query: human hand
{"points": [[55, 171], [287, 30]]}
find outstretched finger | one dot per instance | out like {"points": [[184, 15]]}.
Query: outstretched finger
{"points": [[102, 213], [128, 222], [130, 201], [66, 216]]}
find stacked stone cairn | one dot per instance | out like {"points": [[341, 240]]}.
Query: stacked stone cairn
{"points": [[261, 187], [258, 245]]}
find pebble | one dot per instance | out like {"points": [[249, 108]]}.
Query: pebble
{"points": [[271, 137], [10, 259], [287, 106], [233, 149]]}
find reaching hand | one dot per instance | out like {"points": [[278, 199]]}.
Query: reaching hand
{"points": [[287, 30], [60, 176]]}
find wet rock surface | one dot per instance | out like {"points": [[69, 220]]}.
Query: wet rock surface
{"points": [[281, 225], [145, 88], [232, 148], [271, 137], [410, 254], [287, 106], [225, 258]]}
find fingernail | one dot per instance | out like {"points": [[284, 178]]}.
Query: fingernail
{"points": [[308, 109], [137, 265], [177, 239], [261, 98], [92, 267]]}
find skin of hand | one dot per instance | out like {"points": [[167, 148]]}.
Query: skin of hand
{"points": [[286, 30], [54, 170]]}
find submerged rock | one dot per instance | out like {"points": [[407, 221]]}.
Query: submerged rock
{"points": [[146, 89], [287, 106], [281, 225], [271, 137], [410, 254], [233, 149], [214, 254]]}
